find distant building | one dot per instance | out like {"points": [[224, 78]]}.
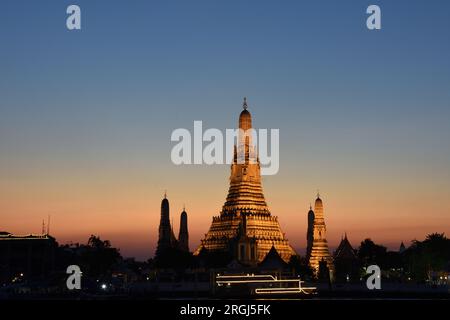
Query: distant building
{"points": [[26, 257], [346, 261], [319, 251], [183, 236], [167, 239], [402, 248]]}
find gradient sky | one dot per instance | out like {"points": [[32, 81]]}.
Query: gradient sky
{"points": [[86, 116]]}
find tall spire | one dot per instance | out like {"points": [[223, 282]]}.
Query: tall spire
{"points": [[183, 236], [245, 119], [319, 250], [165, 229], [245, 220], [309, 232]]}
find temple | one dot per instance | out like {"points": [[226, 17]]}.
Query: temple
{"points": [[245, 227], [346, 262], [167, 239], [183, 236], [319, 250]]}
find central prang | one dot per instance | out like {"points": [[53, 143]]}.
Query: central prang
{"points": [[245, 227]]}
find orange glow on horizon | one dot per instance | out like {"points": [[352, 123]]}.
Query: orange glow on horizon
{"points": [[128, 213]]}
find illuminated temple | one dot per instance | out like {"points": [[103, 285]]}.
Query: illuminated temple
{"points": [[245, 227], [319, 252]]}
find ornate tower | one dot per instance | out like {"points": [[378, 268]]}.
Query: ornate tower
{"points": [[166, 237], [319, 250], [183, 236], [309, 232], [245, 226]]}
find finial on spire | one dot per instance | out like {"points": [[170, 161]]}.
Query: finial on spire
{"points": [[184, 207], [244, 105], [318, 193], [165, 194]]}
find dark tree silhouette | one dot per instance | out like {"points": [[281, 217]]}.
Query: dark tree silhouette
{"points": [[370, 253], [96, 259], [300, 266], [173, 258], [99, 256], [432, 254]]}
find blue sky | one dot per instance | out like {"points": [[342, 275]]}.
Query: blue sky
{"points": [[306, 58]]}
